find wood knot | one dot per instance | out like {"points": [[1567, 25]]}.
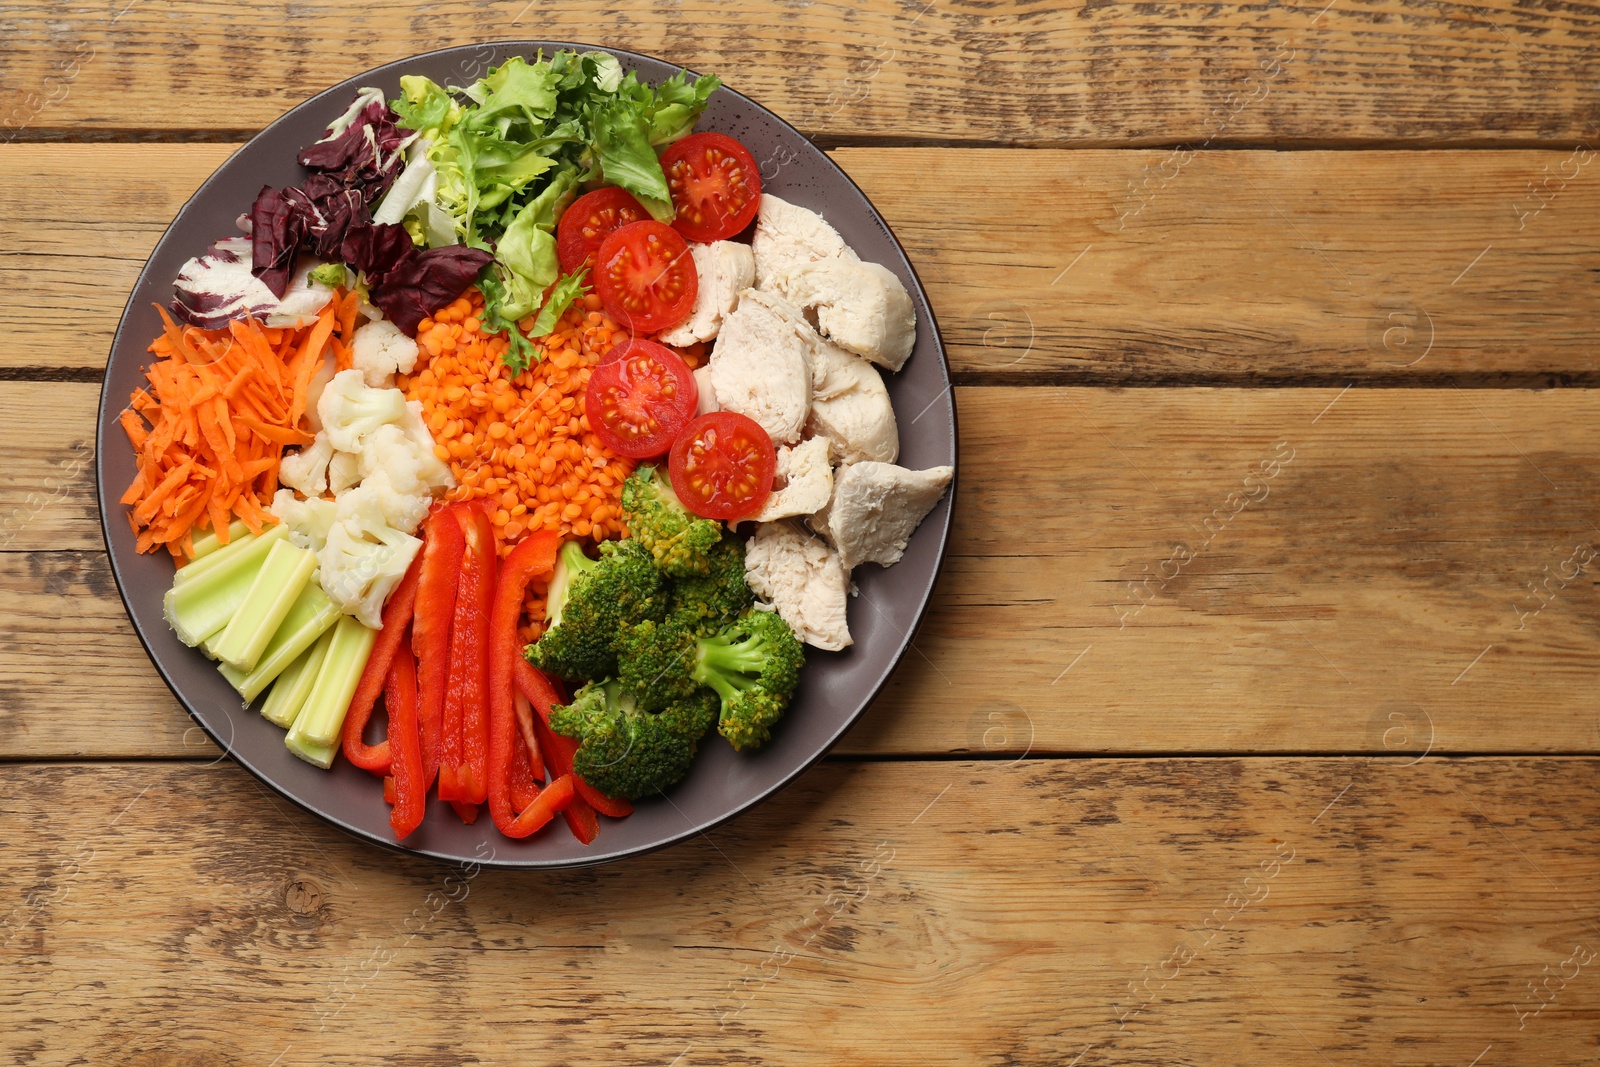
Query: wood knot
{"points": [[302, 896]]}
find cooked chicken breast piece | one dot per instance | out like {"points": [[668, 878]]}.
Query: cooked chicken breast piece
{"points": [[875, 509], [761, 365], [788, 235], [807, 481], [726, 269], [804, 581], [706, 391], [850, 406], [862, 307]]}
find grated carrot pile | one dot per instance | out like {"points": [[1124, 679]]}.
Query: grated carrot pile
{"points": [[210, 432]]}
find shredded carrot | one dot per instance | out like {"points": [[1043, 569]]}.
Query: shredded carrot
{"points": [[522, 443], [221, 407]]}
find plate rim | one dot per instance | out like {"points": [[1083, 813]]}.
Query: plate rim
{"points": [[495, 861]]}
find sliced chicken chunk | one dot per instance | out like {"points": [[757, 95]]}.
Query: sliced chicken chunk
{"points": [[876, 507], [761, 365], [788, 235], [726, 269], [803, 579], [862, 307], [807, 481], [851, 407], [707, 392]]}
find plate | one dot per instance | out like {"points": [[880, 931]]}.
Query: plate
{"points": [[835, 688]]}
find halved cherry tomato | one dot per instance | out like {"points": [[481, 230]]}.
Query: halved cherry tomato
{"points": [[721, 465], [645, 276], [715, 184], [640, 396], [587, 222]]}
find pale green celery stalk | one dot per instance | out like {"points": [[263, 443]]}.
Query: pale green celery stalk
{"points": [[289, 692], [311, 616], [277, 586], [200, 607], [207, 543], [314, 737], [195, 568]]}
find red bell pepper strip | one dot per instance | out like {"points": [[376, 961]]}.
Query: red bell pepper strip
{"points": [[467, 695], [559, 795], [389, 793], [558, 751], [524, 788], [405, 744], [534, 555], [442, 547], [467, 810], [474, 602], [396, 617]]}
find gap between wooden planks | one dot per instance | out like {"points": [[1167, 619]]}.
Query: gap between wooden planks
{"points": [[1242, 266], [1014, 72], [1338, 571], [1295, 911]]}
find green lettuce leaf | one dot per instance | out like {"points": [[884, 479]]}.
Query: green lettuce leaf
{"points": [[678, 106], [567, 289], [527, 250], [622, 145]]}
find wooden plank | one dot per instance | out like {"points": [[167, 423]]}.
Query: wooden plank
{"points": [[1362, 571], [1250, 266], [47, 482], [1012, 72], [1172, 911]]}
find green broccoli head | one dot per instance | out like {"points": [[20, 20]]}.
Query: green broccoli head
{"points": [[746, 720], [625, 751], [753, 665], [654, 660], [710, 602], [677, 539], [590, 602]]}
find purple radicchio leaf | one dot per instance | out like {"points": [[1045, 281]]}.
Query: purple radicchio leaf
{"points": [[277, 228], [425, 281]]}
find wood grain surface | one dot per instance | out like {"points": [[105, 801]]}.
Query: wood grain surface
{"points": [[1240, 266], [943, 70], [1338, 572], [1159, 911]]}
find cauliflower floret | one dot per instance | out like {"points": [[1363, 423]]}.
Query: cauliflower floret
{"points": [[344, 472], [350, 409], [392, 466], [434, 472], [307, 469], [380, 350], [364, 557], [308, 520]]}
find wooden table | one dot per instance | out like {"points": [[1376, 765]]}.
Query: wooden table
{"points": [[1254, 721]]}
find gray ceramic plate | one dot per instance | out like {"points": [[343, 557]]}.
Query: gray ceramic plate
{"points": [[835, 688]]}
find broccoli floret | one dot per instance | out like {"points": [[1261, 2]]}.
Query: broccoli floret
{"points": [[628, 752], [709, 603], [754, 666], [678, 540], [589, 603], [654, 660]]}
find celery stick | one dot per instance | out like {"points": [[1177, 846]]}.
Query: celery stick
{"points": [[200, 607], [317, 755], [289, 692], [317, 727], [207, 543], [311, 616], [277, 586]]}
